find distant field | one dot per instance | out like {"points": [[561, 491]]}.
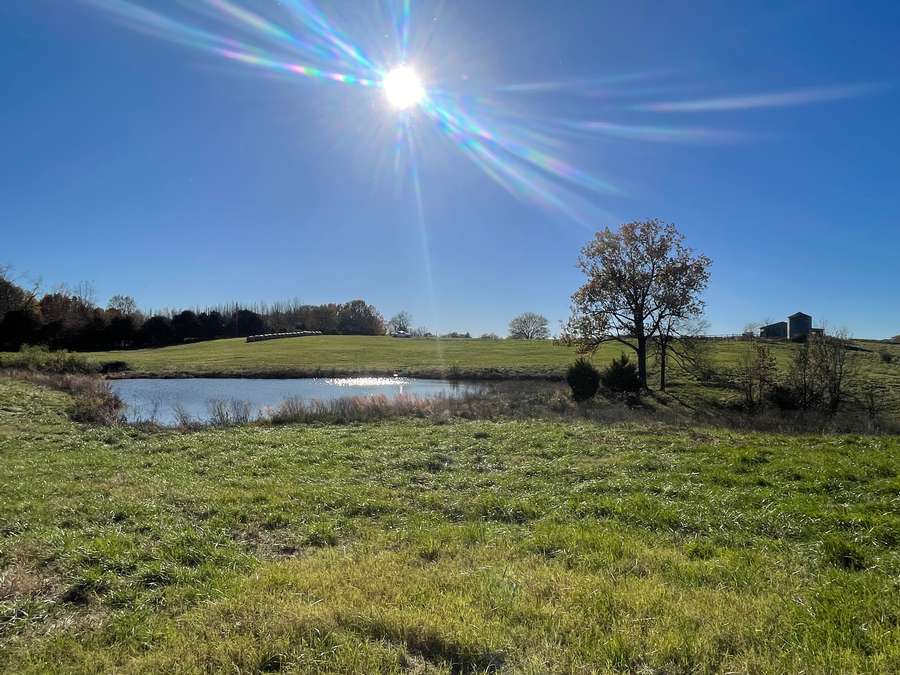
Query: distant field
{"points": [[385, 355], [353, 354], [410, 547]]}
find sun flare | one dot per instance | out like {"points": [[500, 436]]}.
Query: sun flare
{"points": [[403, 88]]}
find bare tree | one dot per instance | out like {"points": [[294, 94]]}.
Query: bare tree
{"points": [[640, 279], [16, 292], [683, 340], [85, 293], [124, 304], [831, 367], [872, 399], [751, 328], [529, 326], [400, 322], [802, 381], [755, 374]]}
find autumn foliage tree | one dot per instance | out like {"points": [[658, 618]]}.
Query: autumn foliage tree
{"points": [[641, 279]]}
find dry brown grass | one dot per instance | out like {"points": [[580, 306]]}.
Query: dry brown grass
{"points": [[496, 401], [93, 401]]}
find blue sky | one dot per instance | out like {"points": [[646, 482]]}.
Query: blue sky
{"points": [[148, 165]]}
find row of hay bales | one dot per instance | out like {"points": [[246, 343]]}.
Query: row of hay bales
{"points": [[275, 336]]}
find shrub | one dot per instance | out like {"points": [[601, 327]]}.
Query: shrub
{"points": [[621, 375], [886, 356], [785, 397], [229, 413], [95, 403], [41, 359], [114, 367], [584, 380]]}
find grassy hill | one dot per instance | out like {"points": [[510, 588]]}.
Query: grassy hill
{"points": [[406, 546], [415, 356], [351, 354], [344, 355]]}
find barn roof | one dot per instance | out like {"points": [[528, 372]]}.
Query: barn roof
{"points": [[796, 314]]}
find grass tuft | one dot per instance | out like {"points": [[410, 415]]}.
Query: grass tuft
{"points": [[844, 554]]}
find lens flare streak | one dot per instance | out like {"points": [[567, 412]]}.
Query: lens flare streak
{"points": [[779, 99], [523, 170], [145, 20], [520, 151]]}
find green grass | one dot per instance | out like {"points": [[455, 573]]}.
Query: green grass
{"points": [[352, 354], [374, 355], [370, 354], [526, 547]]}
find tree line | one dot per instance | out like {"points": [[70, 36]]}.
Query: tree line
{"points": [[70, 319]]}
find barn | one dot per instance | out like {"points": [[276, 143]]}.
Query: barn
{"points": [[778, 330], [799, 326]]}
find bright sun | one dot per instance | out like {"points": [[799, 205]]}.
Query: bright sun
{"points": [[403, 88]]}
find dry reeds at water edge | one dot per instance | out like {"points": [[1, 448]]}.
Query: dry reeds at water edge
{"points": [[491, 403], [234, 412], [93, 400], [373, 408], [229, 413], [358, 409]]}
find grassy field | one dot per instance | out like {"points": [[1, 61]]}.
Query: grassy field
{"points": [[527, 547], [352, 354], [379, 355], [416, 356]]}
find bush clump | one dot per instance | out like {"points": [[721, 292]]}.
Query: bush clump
{"points": [[584, 380], [40, 359], [785, 397], [114, 367], [93, 400], [621, 376]]}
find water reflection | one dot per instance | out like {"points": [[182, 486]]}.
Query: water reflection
{"points": [[165, 400]]}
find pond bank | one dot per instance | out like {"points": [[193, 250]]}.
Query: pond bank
{"points": [[451, 374]]}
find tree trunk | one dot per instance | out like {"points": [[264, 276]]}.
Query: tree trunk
{"points": [[663, 350], [642, 360]]}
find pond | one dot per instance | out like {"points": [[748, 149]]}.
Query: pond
{"points": [[157, 400]]}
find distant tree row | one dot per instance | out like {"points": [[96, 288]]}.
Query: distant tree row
{"points": [[70, 319]]}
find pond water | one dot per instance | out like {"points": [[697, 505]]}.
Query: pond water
{"points": [[149, 399]]}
